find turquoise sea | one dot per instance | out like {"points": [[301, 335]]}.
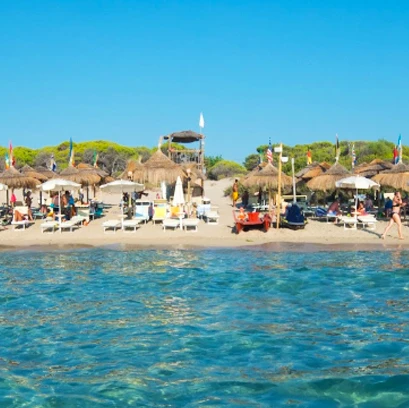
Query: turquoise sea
{"points": [[208, 328]]}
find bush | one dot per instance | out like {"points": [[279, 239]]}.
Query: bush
{"points": [[225, 168]]}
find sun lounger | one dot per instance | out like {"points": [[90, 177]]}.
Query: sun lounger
{"points": [[22, 224], [68, 225], [111, 224], [349, 222], [159, 214], [190, 223], [49, 226], [368, 221], [170, 223], [130, 225], [212, 217]]}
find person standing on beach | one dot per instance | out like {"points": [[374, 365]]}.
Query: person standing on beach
{"points": [[235, 192], [395, 215]]}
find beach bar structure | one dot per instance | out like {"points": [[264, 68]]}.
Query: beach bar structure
{"points": [[187, 155]]}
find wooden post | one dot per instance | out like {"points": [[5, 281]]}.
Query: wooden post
{"points": [[278, 204]]}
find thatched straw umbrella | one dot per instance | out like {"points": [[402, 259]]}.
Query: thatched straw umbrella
{"points": [[133, 170], [267, 177], [326, 181], [14, 179], [160, 168], [374, 167], [314, 170], [397, 177], [46, 172], [30, 172]]}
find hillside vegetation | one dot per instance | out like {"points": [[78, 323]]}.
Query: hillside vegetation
{"points": [[113, 157]]}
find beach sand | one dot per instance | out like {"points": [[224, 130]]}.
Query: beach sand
{"points": [[317, 235]]}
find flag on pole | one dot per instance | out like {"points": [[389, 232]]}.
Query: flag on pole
{"points": [[53, 164], [336, 148], [7, 161], [395, 155], [95, 159], [353, 155], [400, 149], [71, 156], [12, 160], [269, 152], [309, 156], [201, 121]]}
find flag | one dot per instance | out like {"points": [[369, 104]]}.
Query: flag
{"points": [[71, 156], [95, 159], [336, 148], [353, 155], [269, 152], [53, 164], [309, 157], [201, 121], [12, 160], [395, 155], [7, 161], [399, 149]]}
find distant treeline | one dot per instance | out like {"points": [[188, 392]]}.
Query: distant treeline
{"points": [[113, 157]]}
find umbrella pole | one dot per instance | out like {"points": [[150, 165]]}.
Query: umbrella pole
{"points": [[60, 207], [87, 194]]}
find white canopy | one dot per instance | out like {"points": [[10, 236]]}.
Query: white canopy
{"points": [[356, 182], [122, 186], [59, 185]]}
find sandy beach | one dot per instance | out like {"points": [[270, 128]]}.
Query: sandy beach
{"points": [[317, 235]]}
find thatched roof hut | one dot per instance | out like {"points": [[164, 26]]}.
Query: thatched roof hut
{"points": [[160, 168], [313, 170], [374, 167], [82, 177], [43, 170], [135, 170], [326, 181], [397, 177], [30, 172], [14, 179], [266, 177]]}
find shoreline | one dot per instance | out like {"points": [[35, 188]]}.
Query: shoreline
{"points": [[277, 247]]}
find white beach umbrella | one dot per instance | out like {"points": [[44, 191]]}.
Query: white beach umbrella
{"points": [[122, 186], [178, 197], [357, 183], [59, 185], [3, 187]]}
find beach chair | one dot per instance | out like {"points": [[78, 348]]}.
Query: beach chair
{"points": [[212, 217], [142, 210], [23, 210], [171, 223], [130, 225], [190, 224], [111, 225], [349, 222], [368, 221], [159, 215], [68, 225], [50, 226]]}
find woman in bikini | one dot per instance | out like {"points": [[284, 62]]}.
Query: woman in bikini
{"points": [[395, 215]]}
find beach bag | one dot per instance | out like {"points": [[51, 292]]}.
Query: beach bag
{"points": [[320, 212]]}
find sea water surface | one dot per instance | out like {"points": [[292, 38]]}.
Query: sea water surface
{"points": [[208, 328]]}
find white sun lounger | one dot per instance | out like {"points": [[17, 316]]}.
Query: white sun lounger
{"points": [[190, 223], [16, 224], [170, 223], [49, 226], [68, 225], [130, 225], [349, 222], [368, 221], [212, 217], [111, 224]]}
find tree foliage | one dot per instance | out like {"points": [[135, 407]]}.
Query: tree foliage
{"points": [[225, 168]]}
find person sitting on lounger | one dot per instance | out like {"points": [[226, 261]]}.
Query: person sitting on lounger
{"points": [[361, 209], [334, 208], [17, 216], [29, 201], [242, 214]]}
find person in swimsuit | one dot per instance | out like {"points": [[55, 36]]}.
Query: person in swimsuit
{"points": [[235, 192], [395, 215]]}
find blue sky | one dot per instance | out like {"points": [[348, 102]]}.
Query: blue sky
{"points": [[131, 71]]}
